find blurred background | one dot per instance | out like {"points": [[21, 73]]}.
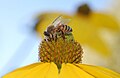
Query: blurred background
{"points": [[95, 24]]}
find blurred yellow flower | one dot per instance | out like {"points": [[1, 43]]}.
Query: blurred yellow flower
{"points": [[87, 28]]}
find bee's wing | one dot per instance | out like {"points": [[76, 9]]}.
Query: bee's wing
{"points": [[64, 21], [59, 20]]}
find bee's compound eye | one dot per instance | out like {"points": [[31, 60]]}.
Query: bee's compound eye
{"points": [[46, 33]]}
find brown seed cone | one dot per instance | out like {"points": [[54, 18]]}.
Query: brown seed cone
{"points": [[60, 51]]}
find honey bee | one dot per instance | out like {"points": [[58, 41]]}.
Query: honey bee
{"points": [[58, 28]]}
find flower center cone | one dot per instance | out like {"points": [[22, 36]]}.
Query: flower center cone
{"points": [[60, 51]]}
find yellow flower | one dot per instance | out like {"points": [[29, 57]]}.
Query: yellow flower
{"points": [[61, 57], [68, 70]]}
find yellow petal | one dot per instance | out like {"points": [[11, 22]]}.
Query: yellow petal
{"points": [[37, 70], [65, 72], [20, 71], [86, 34], [98, 44], [52, 72], [102, 20], [71, 71], [98, 72]]}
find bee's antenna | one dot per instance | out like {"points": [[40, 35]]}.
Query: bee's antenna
{"points": [[56, 18]]}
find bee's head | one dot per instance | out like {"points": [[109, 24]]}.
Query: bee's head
{"points": [[50, 28]]}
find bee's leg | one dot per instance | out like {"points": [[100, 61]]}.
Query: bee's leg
{"points": [[52, 37], [63, 35], [55, 37]]}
